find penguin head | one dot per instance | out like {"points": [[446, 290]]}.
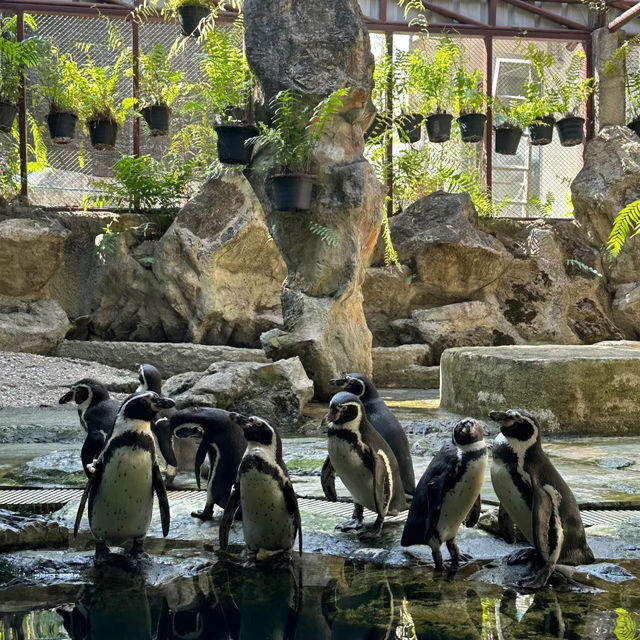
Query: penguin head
{"points": [[258, 432], [517, 424], [85, 392], [345, 407], [149, 378], [357, 384], [144, 406], [468, 432]]}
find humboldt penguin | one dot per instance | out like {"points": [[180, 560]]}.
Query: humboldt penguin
{"points": [[364, 462], [97, 413], [535, 496], [223, 442], [383, 421], [270, 514], [124, 478], [449, 493]]}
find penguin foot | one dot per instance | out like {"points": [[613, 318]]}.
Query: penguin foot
{"points": [[457, 557], [521, 556], [137, 550], [372, 533], [102, 553], [204, 515], [350, 525], [539, 579]]}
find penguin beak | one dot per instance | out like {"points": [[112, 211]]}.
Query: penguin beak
{"points": [[333, 415], [502, 418], [67, 397], [338, 382], [162, 403]]}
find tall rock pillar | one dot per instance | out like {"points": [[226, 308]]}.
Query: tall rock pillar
{"points": [[314, 48]]}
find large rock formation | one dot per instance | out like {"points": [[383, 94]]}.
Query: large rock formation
{"points": [[314, 48]]}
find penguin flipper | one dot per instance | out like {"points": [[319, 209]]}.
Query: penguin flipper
{"points": [[163, 500], [229, 513], [506, 525], [474, 514], [382, 482], [291, 501], [162, 431], [548, 534], [201, 454], [93, 481], [328, 480]]}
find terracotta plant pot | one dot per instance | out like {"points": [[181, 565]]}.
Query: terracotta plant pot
{"points": [[439, 127], [410, 127], [507, 140], [570, 131], [189, 17], [8, 113], [472, 126], [62, 127], [157, 118], [542, 132], [103, 134], [232, 147], [292, 191]]}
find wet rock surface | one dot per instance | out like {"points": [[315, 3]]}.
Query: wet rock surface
{"points": [[29, 532]]}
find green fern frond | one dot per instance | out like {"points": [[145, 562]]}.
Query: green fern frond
{"points": [[627, 220], [390, 253], [328, 234], [625, 626]]}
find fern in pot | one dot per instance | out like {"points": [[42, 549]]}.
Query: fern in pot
{"points": [[469, 99], [15, 57], [293, 134], [511, 118], [190, 14], [160, 87], [409, 121]]}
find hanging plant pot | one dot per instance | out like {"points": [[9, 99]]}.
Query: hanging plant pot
{"points": [[472, 126], [62, 126], [292, 191], [507, 140], [439, 127], [157, 118], [103, 134], [634, 125], [410, 127], [189, 17], [377, 127], [570, 131], [232, 147], [542, 132], [8, 113]]}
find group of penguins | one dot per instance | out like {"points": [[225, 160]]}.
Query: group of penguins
{"points": [[367, 449]]}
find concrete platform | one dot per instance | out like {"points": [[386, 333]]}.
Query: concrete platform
{"points": [[572, 389]]}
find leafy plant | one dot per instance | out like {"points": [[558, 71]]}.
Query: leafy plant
{"points": [[536, 207], [626, 221], [626, 628], [541, 101], [297, 128], [571, 89], [60, 82], [143, 184], [468, 93], [328, 234], [420, 19], [514, 113], [632, 78], [390, 253], [581, 266], [159, 83]]}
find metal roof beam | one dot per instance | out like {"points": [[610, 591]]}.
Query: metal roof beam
{"points": [[544, 13], [623, 18]]}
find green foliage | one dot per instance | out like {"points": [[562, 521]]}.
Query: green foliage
{"points": [[61, 83], [538, 208], [581, 266], [390, 253], [626, 628], [297, 127], [159, 83], [514, 113], [16, 56], [626, 221], [420, 19], [143, 184], [541, 100], [571, 89], [468, 94], [632, 79], [328, 234]]}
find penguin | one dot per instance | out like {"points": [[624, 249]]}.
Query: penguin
{"points": [[535, 497], [124, 478], [270, 514], [449, 493], [365, 463], [383, 421], [223, 441], [151, 380], [97, 413]]}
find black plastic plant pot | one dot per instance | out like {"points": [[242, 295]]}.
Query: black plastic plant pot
{"points": [[410, 127], [507, 140], [439, 127], [157, 118], [635, 126], [570, 131], [62, 127], [377, 127], [292, 191], [472, 126], [232, 147], [8, 113], [542, 132], [103, 134], [189, 17]]}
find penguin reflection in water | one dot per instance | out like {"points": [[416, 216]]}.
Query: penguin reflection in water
{"points": [[534, 496], [449, 493], [270, 514], [124, 478], [364, 462]]}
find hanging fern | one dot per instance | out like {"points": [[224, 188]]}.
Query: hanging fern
{"points": [[390, 253], [625, 626], [328, 234], [628, 219]]}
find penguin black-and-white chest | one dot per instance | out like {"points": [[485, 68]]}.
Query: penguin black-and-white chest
{"points": [[512, 484], [463, 487], [266, 519], [352, 461]]}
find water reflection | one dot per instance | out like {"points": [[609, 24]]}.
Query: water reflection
{"points": [[329, 600]]}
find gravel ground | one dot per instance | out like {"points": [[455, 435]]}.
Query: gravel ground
{"points": [[28, 380]]}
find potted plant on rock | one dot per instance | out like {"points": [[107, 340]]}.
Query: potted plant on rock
{"points": [[511, 118], [469, 100], [571, 91], [294, 134], [15, 57], [160, 87]]}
